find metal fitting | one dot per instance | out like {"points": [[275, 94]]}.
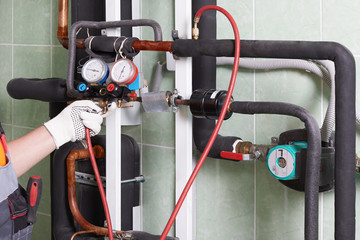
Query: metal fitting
{"points": [[243, 147], [195, 30], [357, 161], [171, 98], [124, 235], [104, 105], [249, 148]]}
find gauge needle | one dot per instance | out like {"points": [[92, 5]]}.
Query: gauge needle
{"points": [[94, 70], [121, 72]]}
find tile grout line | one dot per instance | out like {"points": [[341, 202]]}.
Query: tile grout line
{"points": [[12, 68], [321, 200], [25, 45], [254, 120], [157, 146], [44, 214], [51, 40]]}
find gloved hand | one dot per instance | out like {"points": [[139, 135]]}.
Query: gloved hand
{"points": [[69, 125]]}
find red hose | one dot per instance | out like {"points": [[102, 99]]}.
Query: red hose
{"points": [[219, 122], [99, 183]]}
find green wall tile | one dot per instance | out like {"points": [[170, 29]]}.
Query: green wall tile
{"points": [[8, 131], [158, 129], [287, 20], [29, 29], [133, 131], [279, 210], [164, 15], [296, 87], [42, 228], [41, 169], [5, 76], [30, 113], [159, 189], [242, 12], [225, 200], [340, 23], [59, 62], [31, 62], [6, 21]]}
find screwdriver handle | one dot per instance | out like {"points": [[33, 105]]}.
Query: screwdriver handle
{"points": [[34, 191]]}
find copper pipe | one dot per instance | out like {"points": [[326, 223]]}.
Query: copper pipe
{"points": [[70, 161], [182, 102], [62, 33], [164, 46]]}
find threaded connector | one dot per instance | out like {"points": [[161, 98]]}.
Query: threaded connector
{"points": [[195, 30]]}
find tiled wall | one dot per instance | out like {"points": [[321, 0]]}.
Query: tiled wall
{"points": [[29, 48], [234, 200]]}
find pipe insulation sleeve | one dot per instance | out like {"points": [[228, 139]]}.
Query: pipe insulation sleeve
{"points": [[345, 86], [313, 153], [311, 66]]}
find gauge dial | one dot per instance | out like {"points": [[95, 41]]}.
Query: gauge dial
{"points": [[95, 71], [123, 71]]}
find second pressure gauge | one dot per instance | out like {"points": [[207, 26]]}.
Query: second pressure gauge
{"points": [[124, 71], [95, 70]]}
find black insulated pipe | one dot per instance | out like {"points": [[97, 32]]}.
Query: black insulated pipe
{"points": [[204, 77], [126, 14], [312, 172], [344, 104]]}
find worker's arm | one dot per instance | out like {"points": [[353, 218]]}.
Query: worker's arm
{"points": [[30, 149], [69, 125]]}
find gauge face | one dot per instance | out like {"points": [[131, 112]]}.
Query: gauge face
{"points": [[95, 70], [123, 71]]}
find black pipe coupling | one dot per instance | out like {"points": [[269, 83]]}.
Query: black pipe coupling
{"points": [[208, 103]]}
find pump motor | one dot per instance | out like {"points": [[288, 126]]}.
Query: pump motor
{"points": [[287, 161], [281, 160]]}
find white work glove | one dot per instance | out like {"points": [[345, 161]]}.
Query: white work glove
{"points": [[70, 123]]}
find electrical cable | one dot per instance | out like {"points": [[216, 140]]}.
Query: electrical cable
{"points": [[221, 117], [99, 183]]}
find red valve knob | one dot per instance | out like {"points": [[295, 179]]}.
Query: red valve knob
{"points": [[132, 95]]}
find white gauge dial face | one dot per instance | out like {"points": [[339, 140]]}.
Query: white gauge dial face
{"points": [[94, 70], [122, 71]]}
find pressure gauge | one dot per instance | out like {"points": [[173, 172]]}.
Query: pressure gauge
{"points": [[124, 71], [95, 70]]}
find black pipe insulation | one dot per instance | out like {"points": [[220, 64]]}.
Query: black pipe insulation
{"points": [[204, 77], [344, 105], [312, 172], [126, 14]]}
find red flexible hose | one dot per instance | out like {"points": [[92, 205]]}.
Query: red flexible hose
{"points": [[99, 183], [219, 122]]}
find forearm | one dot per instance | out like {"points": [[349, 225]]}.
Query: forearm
{"points": [[27, 151]]}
